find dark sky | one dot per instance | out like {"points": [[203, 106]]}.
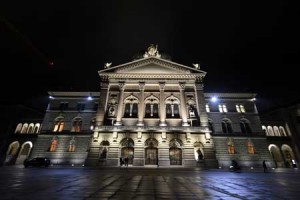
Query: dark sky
{"points": [[243, 47]]}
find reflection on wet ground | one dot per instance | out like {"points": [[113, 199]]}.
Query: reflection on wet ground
{"points": [[87, 183]]}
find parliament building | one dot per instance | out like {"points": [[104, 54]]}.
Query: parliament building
{"points": [[155, 113]]}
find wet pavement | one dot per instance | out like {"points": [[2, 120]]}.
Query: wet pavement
{"points": [[144, 183]]}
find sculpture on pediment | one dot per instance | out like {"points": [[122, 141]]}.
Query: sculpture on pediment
{"points": [[152, 52], [197, 66], [107, 65]]}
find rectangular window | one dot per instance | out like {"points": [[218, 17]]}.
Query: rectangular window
{"points": [[222, 108], [63, 106], [80, 106], [238, 108], [95, 107], [207, 108]]}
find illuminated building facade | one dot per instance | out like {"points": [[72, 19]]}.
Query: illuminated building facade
{"points": [[154, 112]]}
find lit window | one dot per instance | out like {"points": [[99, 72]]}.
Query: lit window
{"points": [[230, 146], [71, 147], [53, 145], [240, 108], [207, 108], [58, 125], [250, 147], [222, 108], [225, 108], [76, 127]]}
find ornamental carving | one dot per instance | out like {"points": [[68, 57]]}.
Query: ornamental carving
{"points": [[152, 52]]}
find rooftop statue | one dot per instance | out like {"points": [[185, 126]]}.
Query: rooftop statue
{"points": [[152, 52], [107, 65], [197, 66]]}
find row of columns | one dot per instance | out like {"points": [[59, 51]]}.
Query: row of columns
{"points": [[142, 108]]}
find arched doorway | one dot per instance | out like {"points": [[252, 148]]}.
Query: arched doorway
{"points": [[175, 152], [127, 149], [289, 158], [151, 152], [275, 153], [11, 154], [24, 152]]}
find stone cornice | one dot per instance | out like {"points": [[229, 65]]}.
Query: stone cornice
{"points": [[198, 76], [159, 61], [230, 95]]}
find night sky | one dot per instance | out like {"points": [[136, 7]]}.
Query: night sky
{"points": [[243, 47]]}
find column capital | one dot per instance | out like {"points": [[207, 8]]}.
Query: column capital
{"points": [[181, 85], [104, 85], [142, 85], [121, 85], [162, 85], [199, 86]]}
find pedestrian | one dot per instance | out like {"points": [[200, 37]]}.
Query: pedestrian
{"points": [[121, 162], [265, 166], [126, 161]]}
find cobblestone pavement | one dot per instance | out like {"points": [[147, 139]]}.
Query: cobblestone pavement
{"points": [[141, 183]]}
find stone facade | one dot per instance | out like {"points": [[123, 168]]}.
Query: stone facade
{"points": [[154, 112]]}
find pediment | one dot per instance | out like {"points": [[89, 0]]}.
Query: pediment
{"points": [[151, 65], [151, 68]]}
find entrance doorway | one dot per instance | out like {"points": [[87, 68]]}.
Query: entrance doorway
{"points": [[127, 149], [175, 152], [151, 152]]}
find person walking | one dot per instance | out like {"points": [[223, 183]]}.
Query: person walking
{"points": [[265, 166]]}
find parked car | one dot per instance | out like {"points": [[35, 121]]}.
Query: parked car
{"points": [[37, 162]]}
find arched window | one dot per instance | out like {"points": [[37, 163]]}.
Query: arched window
{"points": [[24, 128], [276, 131], [58, 124], [172, 107], [230, 146], [36, 128], [76, 126], [131, 107], [211, 126], [53, 145], [151, 107], [30, 128], [245, 127], [226, 126], [250, 147], [282, 131], [18, 128], [270, 131], [72, 146], [264, 128]]}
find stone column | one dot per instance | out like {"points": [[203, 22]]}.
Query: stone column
{"points": [[201, 103], [162, 109], [141, 105], [183, 105], [102, 104], [121, 103]]}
